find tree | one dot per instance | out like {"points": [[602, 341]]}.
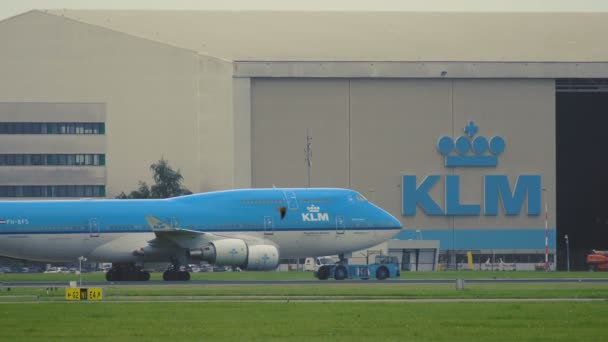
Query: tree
{"points": [[168, 183]]}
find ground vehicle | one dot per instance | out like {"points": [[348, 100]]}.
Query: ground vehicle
{"points": [[313, 264], [383, 267], [57, 270], [194, 268], [598, 260], [104, 266]]}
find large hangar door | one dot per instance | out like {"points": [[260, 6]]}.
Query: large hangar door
{"points": [[282, 110], [394, 130], [582, 169]]}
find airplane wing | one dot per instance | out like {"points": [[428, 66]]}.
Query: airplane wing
{"points": [[187, 238], [159, 228], [184, 238]]}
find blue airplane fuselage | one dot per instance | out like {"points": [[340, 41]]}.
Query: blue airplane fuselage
{"points": [[299, 222]]}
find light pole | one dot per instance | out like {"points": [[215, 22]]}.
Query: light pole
{"points": [[80, 260], [546, 231], [567, 252]]}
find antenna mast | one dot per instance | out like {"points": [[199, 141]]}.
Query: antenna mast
{"points": [[308, 155]]}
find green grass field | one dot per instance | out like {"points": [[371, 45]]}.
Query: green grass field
{"points": [[304, 322], [276, 312], [323, 291], [99, 276]]}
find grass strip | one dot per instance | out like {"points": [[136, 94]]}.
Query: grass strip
{"points": [[304, 321], [243, 276], [362, 290]]}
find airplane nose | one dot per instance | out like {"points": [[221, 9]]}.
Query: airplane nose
{"points": [[391, 220], [394, 222], [388, 220]]}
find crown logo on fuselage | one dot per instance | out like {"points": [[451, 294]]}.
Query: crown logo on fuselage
{"points": [[313, 208], [468, 143]]}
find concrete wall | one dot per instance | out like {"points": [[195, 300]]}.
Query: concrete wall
{"points": [[150, 90], [215, 136], [367, 36]]}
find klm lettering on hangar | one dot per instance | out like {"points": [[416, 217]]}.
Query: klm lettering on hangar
{"points": [[472, 151]]}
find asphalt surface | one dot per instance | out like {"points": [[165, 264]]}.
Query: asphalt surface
{"points": [[340, 300], [303, 282]]}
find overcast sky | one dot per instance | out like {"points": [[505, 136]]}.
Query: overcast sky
{"points": [[10, 8]]}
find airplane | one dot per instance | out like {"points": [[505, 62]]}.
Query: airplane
{"points": [[248, 228]]}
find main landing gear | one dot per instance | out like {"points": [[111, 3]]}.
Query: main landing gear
{"points": [[175, 274], [127, 272], [172, 275]]}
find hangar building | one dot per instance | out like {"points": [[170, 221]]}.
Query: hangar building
{"points": [[467, 126]]}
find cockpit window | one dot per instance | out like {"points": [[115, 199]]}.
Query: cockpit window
{"points": [[361, 198]]}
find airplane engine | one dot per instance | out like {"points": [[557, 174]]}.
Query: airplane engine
{"points": [[236, 252], [262, 258], [225, 252]]}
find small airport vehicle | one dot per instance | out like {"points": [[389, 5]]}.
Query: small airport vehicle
{"points": [[51, 270], [194, 268], [313, 264], [104, 266], [384, 267], [57, 270], [598, 260]]}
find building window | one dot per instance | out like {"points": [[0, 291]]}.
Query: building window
{"points": [[52, 128], [52, 159], [52, 191]]}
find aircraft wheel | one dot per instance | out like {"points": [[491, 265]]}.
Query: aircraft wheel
{"points": [[130, 275], [382, 273], [115, 274], [323, 273], [143, 276], [168, 275], [340, 273], [183, 276]]}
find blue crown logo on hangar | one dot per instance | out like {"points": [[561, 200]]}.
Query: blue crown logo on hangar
{"points": [[465, 144]]}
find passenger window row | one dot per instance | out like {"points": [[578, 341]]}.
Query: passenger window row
{"points": [[52, 128]]}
